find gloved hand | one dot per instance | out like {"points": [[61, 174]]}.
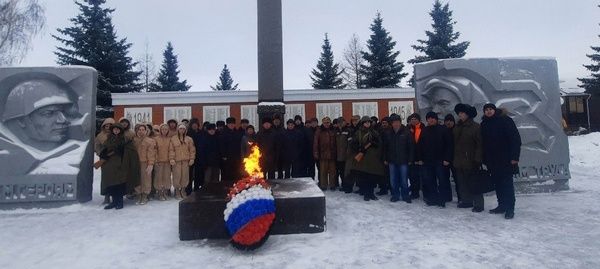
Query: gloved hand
{"points": [[149, 169], [191, 162], [172, 162]]}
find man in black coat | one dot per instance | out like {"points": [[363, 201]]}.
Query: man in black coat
{"points": [[268, 144], [209, 154], [291, 149], [501, 152], [434, 153], [398, 152], [230, 140]]}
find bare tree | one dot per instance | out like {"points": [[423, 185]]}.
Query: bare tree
{"points": [[352, 63], [147, 67], [20, 21]]}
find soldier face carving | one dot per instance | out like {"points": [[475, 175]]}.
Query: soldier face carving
{"points": [[47, 124]]}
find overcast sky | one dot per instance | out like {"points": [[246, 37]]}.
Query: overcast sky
{"points": [[207, 33]]}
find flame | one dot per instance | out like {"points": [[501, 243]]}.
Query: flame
{"points": [[252, 162]]}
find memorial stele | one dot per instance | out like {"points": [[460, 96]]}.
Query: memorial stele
{"points": [[527, 88], [47, 125]]}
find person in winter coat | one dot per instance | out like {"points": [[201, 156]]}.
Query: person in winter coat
{"points": [[368, 162], [415, 171], [129, 134], [210, 157], [290, 148], [162, 167], [248, 139], [279, 129], [501, 152], [230, 147], [305, 148], [467, 156], [450, 122], [434, 154], [266, 139], [172, 123], [99, 143], [182, 154], [121, 167], [324, 151], [342, 134], [398, 148], [196, 170], [146, 149]]}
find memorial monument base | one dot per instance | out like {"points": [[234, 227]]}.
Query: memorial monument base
{"points": [[299, 203]]}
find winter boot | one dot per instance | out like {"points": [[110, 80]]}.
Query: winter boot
{"points": [[138, 199], [106, 200], [110, 206], [477, 209], [497, 210], [509, 215], [162, 195], [144, 199]]}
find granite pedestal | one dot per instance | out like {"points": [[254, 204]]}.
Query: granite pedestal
{"points": [[299, 203]]}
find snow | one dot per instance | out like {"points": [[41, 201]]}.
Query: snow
{"points": [[558, 230]]}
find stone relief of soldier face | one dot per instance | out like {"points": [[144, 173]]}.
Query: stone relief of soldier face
{"points": [[48, 124], [443, 101], [441, 94]]}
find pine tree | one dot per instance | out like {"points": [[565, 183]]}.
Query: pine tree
{"points": [[592, 83], [168, 77], [327, 74], [225, 81], [92, 41], [382, 70], [440, 41]]}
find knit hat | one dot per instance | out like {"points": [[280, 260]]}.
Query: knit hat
{"points": [[415, 116], [182, 126], [290, 121], [489, 105], [230, 120], [365, 119], [449, 117], [431, 114], [395, 118], [211, 126]]}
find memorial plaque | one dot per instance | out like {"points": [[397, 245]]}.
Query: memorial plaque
{"points": [[291, 110], [402, 108], [46, 135], [213, 114], [137, 115], [331, 110], [177, 112], [365, 109], [249, 112], [527, 88]]}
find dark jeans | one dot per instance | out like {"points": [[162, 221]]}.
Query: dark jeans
{"points": [[340, 172], [436, 184], [456, 183], [415, 176], [505, 190], [399, 180]]}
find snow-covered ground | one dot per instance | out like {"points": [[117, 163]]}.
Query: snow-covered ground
{"points": [[559, 230]]}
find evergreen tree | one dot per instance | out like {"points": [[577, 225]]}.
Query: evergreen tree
{"points": [[225, 81], [592, 83], [168, 77], [92, 41], [440, 43], [327, 75], [382, 70]]}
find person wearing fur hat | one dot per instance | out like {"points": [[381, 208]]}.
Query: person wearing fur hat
{"points": [[120, 171], [129, 134], [182, 154], [467, 156], [414, 170], [267, 142], [172, 123], [501, 151], [324, 151], [434, 154], [146, 148], [368, 162]]}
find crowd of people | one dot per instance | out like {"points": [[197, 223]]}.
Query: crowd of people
{"points": [[359, 156]]}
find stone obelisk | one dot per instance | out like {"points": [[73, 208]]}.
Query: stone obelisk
{"points": [[270, 59]]}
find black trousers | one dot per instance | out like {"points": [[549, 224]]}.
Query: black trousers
{"points": [[231, 169], [340, 168], [292, 169], [116, 192], [414, 176], [366, 182], [196, 178], [505, 189]]}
